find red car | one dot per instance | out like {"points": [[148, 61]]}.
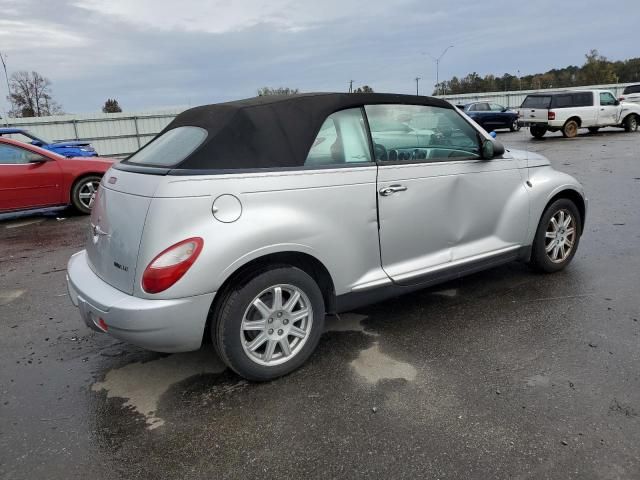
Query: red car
{"points": [[31, 177]]}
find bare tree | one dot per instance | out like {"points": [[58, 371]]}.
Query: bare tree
{"points": [[277, 91], [364, 89], [30, 95]]}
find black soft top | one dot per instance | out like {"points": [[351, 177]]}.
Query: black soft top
{"points": [[270, 131]]}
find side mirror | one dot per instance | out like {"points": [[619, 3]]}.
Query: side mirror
{"points": [[616, 103], [35, 158], [491, 149], [37, 143]]}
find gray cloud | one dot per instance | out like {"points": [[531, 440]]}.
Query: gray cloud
{"points": [[151, 54]]}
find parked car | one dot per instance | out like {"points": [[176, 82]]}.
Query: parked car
{"points": [[32, 177], [631, 94], [491, 116], [74, 148], [571, 110], [249, 221]]}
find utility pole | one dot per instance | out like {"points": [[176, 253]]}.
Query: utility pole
{"points": [[437, 60], [418, 86], [350, 86], [6, 77]]}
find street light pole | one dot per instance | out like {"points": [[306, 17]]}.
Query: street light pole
{"points": [[437, 60], [418, 86], [6, 77]]}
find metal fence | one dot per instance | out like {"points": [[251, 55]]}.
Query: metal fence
{"points": [[120, 134], [113, 134]]}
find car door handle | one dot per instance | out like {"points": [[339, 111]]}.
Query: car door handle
{"points": [[391, 189]]}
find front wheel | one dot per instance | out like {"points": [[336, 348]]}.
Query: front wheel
{"points": [[557, 237], [631, 123], [269, 326], [83, 192], [515, 126]]}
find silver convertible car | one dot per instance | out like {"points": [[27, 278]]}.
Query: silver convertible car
{"points": [[249, 221]]}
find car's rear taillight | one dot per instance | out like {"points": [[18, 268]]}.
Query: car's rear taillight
{"points": [[551, 116], [171, 264]]}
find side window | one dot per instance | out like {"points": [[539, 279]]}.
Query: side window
{"points": [[14, 155], [342, 139], [607, 99], [495, 107], [420, 133]]}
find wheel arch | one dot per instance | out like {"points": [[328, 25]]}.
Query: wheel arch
{"points": [[577, 119], [243, 273], [573, 195]]}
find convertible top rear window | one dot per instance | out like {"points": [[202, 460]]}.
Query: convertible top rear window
{"points": [[170, 148]]}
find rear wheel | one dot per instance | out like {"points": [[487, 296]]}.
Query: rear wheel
{"points": [[269, 326], [570, 129], [83, 192], [557, 236], [594, 129], [537, 131], [631, 123]]}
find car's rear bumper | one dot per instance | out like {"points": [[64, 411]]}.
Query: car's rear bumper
{"points": [[175, 325]]}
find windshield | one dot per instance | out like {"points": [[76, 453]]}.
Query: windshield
{"points": [[170, 148]]}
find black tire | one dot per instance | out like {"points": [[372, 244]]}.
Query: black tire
{"points": [[228, 336], [79, 190], [594, 130], [631, 123], [537, 132], [570, 129], [515, 126], [540, 259]]}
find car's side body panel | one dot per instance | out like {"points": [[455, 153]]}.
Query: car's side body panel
{"points": [[329, 214], [450, 211]]}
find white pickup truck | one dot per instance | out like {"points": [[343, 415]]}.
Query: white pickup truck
{"points": [[570, 110]]}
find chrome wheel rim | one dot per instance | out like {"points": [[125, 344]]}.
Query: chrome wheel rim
{"points": [[560, 236], [276, 325], [87, 191], [633, 124]]}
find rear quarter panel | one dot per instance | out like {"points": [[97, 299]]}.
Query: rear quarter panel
{"points": [[330, 214]]}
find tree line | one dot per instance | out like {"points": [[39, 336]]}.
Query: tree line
{"points": [[596, 70]]}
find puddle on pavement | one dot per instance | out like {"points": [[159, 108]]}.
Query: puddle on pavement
{"points": [[537, 381], [347, 322], [142, 384], [8, 296], [451, 292], [374, 366], [23, 223]]}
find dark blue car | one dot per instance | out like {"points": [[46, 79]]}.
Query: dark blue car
{"points": [[491, 116], [76, 148]]}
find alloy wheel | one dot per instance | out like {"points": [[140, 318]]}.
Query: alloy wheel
{"points": [[276, 325], [560, 236], [87, 192]]}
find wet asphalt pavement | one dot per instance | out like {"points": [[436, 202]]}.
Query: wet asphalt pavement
{"points": [[504, 374]]}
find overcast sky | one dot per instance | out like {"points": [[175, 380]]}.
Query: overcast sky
{"points": [[151, 54]]}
